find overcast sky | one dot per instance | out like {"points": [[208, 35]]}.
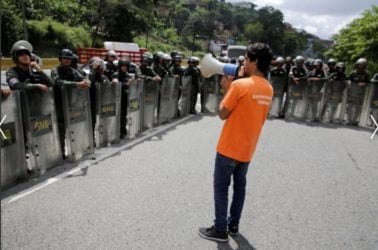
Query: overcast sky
{"points": [[319, 17]]}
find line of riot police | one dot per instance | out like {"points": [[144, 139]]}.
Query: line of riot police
{"points": [[311, 91], [75, 109]]}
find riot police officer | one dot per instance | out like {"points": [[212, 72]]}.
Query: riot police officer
{"points": [[26, 75], [316, 81], [65, 76], [337, 82], [146, 69], [331, 66], [297, 84], [194, 72], [123, 77], [240, 68], [277, 77], [288, 64], [359, 79], [110, 62]]}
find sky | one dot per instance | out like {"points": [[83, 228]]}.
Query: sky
{"points": [[322, 18]]}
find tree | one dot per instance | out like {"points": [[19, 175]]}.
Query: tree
{"points": [[358, 39]]}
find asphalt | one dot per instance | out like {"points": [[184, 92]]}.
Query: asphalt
{"points": [[310, 186]]}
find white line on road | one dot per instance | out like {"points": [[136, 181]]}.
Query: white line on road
{"points": [[108, 152]]}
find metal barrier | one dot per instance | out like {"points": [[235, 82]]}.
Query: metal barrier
{"points": [[78, 122], [13, 164], [41, 129], [107, 128]]}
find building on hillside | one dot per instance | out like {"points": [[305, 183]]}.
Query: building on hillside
{"points": [[244, 4]]}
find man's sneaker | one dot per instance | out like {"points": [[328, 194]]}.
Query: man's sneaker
{"points": [[233, 230], [212, 233]]}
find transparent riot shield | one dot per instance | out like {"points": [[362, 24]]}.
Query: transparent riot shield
{"points": [[78, 122], [40, 126], [167, 99], [211, 94], [150, 101], [335, 100], [184, 103], [13, 163], [297, 99], [355, 100], [315, 99], [107, 129], [278, 84], [134, 108]]}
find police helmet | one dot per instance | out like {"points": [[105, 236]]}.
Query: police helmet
{"points": [[340, 66], [299, 59], [124, 61], [166, 57], [66, 53], [176, 58], [224, 59], [147, 56], [288, 59], [361, 61], [223, 53], [241, 59], [18, 50], [111, 53], [331, 61], [280, 60], [318, 62]]}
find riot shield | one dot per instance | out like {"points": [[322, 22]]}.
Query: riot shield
{"points": [[315, 99], [297, 99], [13, 163], [107, 129], [374, 103], [211, 94], [150, 101], [356, 96], [78, 122], [134, 108], [40, 126], [278, 84], [369, 107], [184, 103], [167, 99], [334, 103]]}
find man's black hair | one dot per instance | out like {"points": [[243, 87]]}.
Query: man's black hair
{"points": [[263, 54]]}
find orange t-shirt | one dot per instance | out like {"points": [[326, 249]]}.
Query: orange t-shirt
{"points": [[249, 101]]}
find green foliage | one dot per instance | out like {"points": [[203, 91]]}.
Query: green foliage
{"points": [[11, 26], [358, 39], [51, 33]]}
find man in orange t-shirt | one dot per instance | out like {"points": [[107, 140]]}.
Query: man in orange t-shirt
{"points": [[245, 107]]}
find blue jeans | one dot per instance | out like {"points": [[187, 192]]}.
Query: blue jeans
{"points": [[225, 168]]}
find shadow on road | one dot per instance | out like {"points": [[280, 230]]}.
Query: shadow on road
{"points": [[241, 241]]}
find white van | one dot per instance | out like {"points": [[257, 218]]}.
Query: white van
{"points": [[234, 51]]}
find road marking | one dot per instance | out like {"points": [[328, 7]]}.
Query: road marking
{"points": [[376, 130], [104, 154], [1, 123]]}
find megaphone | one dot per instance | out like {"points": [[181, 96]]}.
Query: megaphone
{"points": [[211, 66]]}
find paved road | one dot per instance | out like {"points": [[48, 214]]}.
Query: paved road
{"points": [[309, 187]]}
